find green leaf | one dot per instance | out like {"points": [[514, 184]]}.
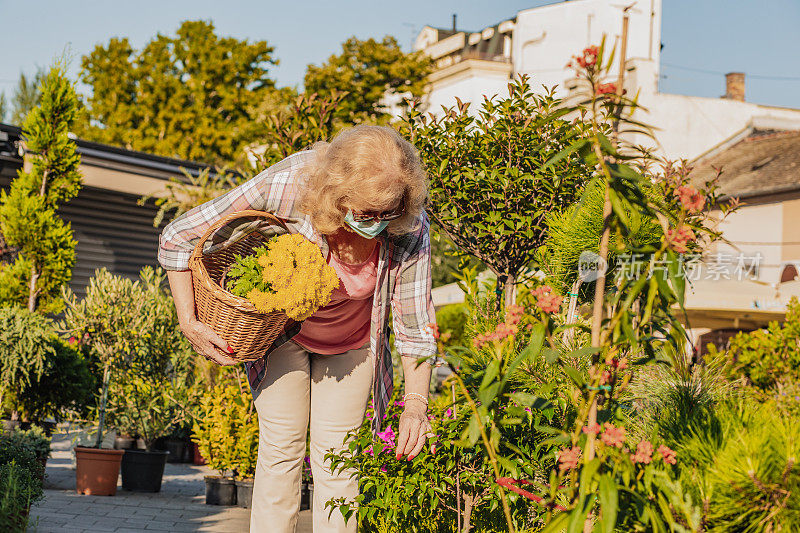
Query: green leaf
{"points": [[608, 497]]}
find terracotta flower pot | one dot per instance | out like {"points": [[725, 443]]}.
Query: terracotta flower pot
{"points": [[197, 457], [97, 470]]}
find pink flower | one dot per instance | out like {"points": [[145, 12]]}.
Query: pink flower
{"points": [[690, 198], [613, 436], [680, 237], [568, 459], [387, 436], [605, 379], [644, 453], [448, 412], [368, 451], [587, 59], [667, 455], [546, 300], [606, 88], [384, 469], [594, 429]]}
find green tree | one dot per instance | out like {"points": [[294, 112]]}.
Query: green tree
{"points": [[368, 71], [28, 220], [3, 105], [26, 96], [191, 96], [489, 188]]}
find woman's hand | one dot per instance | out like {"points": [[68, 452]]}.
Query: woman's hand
{"points": [[414, 430], [207, 343]]}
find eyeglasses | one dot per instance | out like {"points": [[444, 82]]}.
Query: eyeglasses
{"points": [[384, 216]]}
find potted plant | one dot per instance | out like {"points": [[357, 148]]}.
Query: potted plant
{"points": [[108, 320], [147, 405], [306, 486], [34, 441], [226, 433], [27, 349], [21, 474]]}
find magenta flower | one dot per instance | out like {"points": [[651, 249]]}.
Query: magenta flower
{"points": [[387, 436]]}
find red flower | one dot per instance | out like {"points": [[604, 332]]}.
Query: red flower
{"points": [[503, 329], [691, 200], [667, 455], [72, 341], [680, 237], [644, 453], [568, 459], [613, 436], [587, 59], [607, 88], [434, 328], [594, 429]]}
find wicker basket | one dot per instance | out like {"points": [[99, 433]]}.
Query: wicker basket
{"points": [[249, 332]]}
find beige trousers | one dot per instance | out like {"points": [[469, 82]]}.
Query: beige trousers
{"points": [[331, 390]]}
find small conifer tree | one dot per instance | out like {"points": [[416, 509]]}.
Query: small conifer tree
{"points": [[45, 249]]}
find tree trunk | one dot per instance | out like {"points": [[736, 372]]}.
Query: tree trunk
{"points": [[511, 290], [106, 376], [32, 291], [468, 502]]}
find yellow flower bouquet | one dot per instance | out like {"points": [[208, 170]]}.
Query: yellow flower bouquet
{"points": [[288, 274]]}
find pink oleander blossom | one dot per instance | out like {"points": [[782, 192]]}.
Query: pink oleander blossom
{"points": [[568, 459], [613, 436], [644, 453], [667, 454], [594, 429]]}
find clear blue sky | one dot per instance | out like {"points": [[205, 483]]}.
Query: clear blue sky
{"points": [[760, 38]]}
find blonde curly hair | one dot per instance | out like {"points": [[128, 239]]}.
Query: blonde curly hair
{"points": [[364, 168]]}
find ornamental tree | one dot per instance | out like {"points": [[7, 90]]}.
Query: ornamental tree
{"points": [[490, 191], [193, 96], [45, 249], [368, 71]]}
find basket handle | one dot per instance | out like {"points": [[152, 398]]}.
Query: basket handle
{"points": [[198, 248]]}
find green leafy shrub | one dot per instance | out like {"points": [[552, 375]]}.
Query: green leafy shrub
{"points": [[490, 189], [19, 489], [451, 320], [21, 474], [147, 408], [27, 347], [32, 440], [66, 388], [226, 428], [767, 357]]}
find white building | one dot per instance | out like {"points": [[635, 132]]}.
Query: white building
{"points": [[540, 42]]}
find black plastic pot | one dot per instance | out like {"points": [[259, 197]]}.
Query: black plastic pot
{"points": [[176, 449], [220, 491], [244, 493], [142, 471], [306, 496], [124, 443]]}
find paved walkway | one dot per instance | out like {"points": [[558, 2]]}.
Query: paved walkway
{"points": [[178, 507]]}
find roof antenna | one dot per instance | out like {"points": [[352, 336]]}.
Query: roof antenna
{"points": [[454, 22]]}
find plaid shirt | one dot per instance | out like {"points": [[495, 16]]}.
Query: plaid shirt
{"points": [[403, 277]]}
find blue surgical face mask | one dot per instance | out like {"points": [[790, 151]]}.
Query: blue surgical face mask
{"points": [[369, 229]]}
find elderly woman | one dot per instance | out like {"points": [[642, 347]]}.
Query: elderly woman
{"points": [[360, 198]]}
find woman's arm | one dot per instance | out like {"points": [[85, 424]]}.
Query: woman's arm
{"points": [[204, 340], [414, 428], [412, 313]]}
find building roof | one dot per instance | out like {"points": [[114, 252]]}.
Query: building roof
{"points": [[155, 166], [761, 162]]}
